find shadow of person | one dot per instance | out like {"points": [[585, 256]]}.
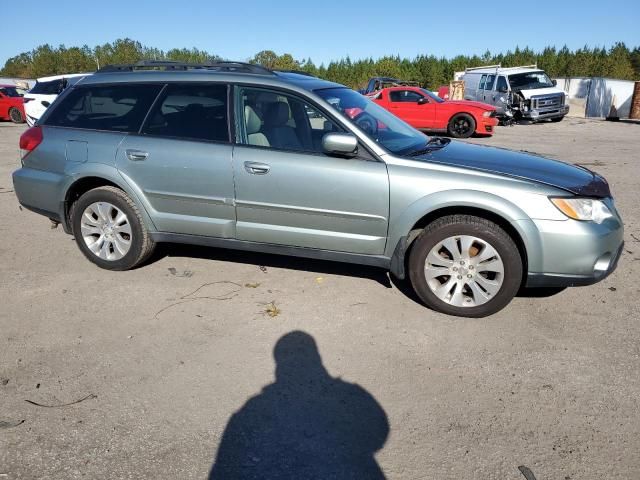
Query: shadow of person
{"points": [[306, 425]]}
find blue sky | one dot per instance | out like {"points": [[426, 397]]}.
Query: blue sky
{"points": [[328, 29]]}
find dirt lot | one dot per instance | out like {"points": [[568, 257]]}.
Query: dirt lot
{"points": [[163, 356]]}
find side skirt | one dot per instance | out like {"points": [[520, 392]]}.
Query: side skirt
{"points": [[233, 244]]}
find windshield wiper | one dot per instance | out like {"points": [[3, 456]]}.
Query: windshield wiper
{"points": [[435, 143]]}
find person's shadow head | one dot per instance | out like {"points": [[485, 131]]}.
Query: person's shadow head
{"points": [[305, 425]]}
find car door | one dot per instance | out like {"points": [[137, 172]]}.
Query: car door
{"points": [[288, 192], [502, 95], [413, 107], [181, 160]]}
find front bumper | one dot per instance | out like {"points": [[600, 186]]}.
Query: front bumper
{"points": [[576, 253], [487, 125], [545, 114]]}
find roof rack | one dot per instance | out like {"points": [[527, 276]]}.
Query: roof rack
{"points": [[299, 72], [486, 67], [168, 65]]}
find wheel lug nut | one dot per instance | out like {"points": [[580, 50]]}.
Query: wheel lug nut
{"points": [[459, 277], [455, 269], [469, 276], [461, 262], [470, 267]]}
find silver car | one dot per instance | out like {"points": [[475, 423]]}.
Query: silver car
{"points": [[237, 156]]}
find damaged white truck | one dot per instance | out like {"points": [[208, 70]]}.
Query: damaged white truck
{"points": [[518, 93]]}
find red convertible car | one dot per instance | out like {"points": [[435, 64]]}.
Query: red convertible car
{"points": [[425, 111], [11, 104]]}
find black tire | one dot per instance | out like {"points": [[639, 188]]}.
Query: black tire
{"points": [[16, 115], [141, 243], [483, 229], [557, 119], [461, 125]]}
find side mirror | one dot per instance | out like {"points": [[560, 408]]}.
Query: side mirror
{"points": [[422, 101], [340, 144], [45, 104], [555, 82]]}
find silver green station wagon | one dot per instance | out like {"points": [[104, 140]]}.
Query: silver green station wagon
{"points": [[236, 156]]}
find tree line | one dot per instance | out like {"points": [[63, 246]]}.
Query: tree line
{"points": [[618, 61]]}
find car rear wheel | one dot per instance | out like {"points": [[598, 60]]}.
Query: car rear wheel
{"points": [[16, 115], [461, 125], [109, 229], [465, 266]]}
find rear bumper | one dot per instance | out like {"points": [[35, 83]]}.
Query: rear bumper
{"points": [[40, 191]]}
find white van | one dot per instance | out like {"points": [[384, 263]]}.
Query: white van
{"points": [[44, 92], [519, 92]]}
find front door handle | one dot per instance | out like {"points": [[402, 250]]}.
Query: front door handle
{"points": [[256, 168], [137, 155]]}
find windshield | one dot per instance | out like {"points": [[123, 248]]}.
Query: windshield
{"points": [[10, 91], [432, 95], [379, 125], [528, 81]]}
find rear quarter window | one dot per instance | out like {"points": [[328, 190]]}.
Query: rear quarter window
{"points": [[117, 108], [51, 87]]}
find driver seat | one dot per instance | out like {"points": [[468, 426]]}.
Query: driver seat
{"points": [[279, 134]]}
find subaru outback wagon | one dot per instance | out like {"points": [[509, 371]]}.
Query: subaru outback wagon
{"points": [[237, 156]]}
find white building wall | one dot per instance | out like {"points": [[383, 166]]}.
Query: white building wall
{"points": [[594, 97]]}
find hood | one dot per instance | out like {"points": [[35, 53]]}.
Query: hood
{"points": [[471, 103], [527, 166], [540, 91]]}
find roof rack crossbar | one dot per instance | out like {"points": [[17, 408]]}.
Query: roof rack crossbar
{"points": [[169, 65], [499, 66]]}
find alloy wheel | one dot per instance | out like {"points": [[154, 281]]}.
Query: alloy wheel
{"points": [[106, 231]]}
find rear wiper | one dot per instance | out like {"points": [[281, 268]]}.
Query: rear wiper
{"points": [[435, 143]]}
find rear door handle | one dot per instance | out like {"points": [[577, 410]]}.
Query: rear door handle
{"points": [[136, 155], [256, 168]]}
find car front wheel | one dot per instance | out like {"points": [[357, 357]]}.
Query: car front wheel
{"points": [[16, 115], [461, 125], [465, 266], [109, 229]]}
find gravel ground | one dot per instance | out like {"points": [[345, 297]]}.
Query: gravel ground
{"points": [[163, 356]]}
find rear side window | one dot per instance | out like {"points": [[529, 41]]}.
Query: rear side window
{"points": [[52, 87], [116, 108], [190, 111]]}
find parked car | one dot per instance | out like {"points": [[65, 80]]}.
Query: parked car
{"points": [[424, 110], [44, 92], [11, 104], [378, 83], [244, 165], [518, 92]]}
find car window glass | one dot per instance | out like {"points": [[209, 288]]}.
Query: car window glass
{"points": [[502, 84], [197, 111], [281, 121], [404, 96], [51, 87], [489, 82], [482, 80], [119, 108]]}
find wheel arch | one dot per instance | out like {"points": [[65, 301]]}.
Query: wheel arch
{"points": [[80, 184], [481, 204]]}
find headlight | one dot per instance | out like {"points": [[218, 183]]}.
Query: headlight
{"points": [[587, 209]]}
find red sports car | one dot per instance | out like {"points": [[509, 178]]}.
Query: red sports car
{"points": [[425, 111], [11, 104]]}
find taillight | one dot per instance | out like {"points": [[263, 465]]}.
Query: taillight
{"points": [[29, 140]]}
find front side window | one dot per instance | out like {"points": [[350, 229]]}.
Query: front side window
{"points": [[482, 80], [193, 111], [277, 120], [117, 108], [404, 96], [502, 85], [377, 123]]}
